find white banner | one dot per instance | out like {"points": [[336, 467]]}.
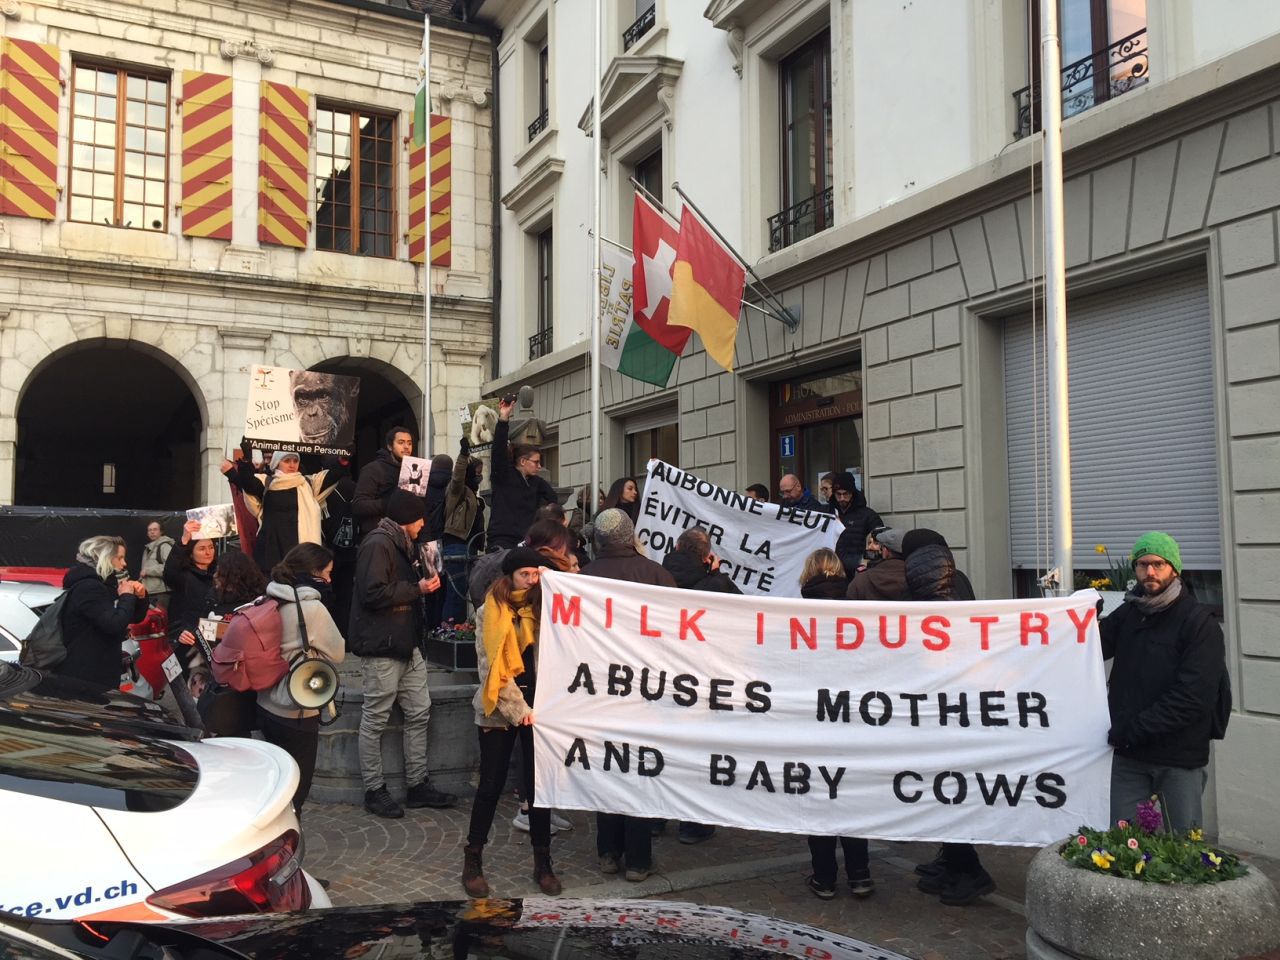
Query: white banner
{"points": [[616, 299], [761, 546], [982, 722]]}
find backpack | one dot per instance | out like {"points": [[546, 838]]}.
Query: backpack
{"points": [[44, 647], [248, 656]]}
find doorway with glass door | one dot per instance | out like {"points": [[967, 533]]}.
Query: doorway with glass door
{"points": [[815, 421]]}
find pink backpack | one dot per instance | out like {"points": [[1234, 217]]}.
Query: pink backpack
{"points": [[248, 655]]}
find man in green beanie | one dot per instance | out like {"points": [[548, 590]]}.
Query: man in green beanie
{"points": [[1169, 692]]}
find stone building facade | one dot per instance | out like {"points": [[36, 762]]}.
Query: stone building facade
{"points": [[921, 317], [126, 341]]}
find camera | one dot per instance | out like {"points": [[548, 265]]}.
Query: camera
{"points": [[508, 398]]}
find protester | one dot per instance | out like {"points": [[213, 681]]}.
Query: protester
{"points": [[553, 511], [1169, 692], [625, 496], [694, 566], [286, 503], [823, 576], [620, 837], [438, 479], [188, 572], [339, 528], [517, 490], [298, 585], [885, 576], [379, 478], [101, 601], [791, 493], [543, 533], [154, 554], [386, 632], [758, 491], [956, 875], [227, 712], [507, 662], [463, 529], [858, 518], [825, 489]]}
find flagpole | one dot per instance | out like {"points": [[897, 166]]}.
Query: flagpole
{"points": [[596, 254], [428, 434], [1055, 297], [784, 313]]}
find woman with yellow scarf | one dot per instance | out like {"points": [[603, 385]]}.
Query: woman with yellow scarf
{"points": [[506, 659]]}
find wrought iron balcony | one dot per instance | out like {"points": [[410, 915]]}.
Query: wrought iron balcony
{"points": [[1101, 76], [806, 218], [644, 23], [539, 124], [540, 344]]}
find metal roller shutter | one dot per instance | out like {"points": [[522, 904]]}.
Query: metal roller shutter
{"points": [[1143, 450]]}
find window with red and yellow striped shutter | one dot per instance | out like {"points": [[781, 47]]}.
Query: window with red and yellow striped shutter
{"points": [[432, 163], [284, 139], [30, 90], [206, 155]]}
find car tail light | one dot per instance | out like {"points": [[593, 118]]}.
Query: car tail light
{"points": [[269, 880]]}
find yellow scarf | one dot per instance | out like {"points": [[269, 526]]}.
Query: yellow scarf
{"points": [[507, 631]]}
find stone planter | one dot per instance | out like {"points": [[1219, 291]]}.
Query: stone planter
{"points": [[1075, 914]]}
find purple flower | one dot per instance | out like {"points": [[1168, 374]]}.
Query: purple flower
{"points": [[1150, 818]]}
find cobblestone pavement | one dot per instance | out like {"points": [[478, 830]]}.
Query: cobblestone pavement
{"points": [[369, 860]]}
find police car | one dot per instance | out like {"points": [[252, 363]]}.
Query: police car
{"points": [[114, 813]]}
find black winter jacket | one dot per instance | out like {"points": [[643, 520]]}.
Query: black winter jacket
{"points": [[825, 586], [191, 591], [386, 608], [621, 562], [95, 622], [931, 574], [859, 520], [437, 486], [1165, 682], [377, 479], [808, 501], [515, 498], [691, 574]]}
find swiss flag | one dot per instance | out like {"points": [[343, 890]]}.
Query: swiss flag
{"points": [[653, 243]]}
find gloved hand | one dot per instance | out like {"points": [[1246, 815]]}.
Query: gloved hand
{"points": [[464, 447]]}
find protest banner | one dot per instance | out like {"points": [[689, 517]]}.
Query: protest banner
{"points": [[761, 546], [301, 411], [218, 520], [981, 722], [413, 475]]}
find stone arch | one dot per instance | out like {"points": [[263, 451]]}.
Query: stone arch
{"points": [[388, 397]]}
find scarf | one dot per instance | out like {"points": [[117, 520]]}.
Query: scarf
{"points": [[311, 493], [507, 630], [400, 538], [1149, 606]]}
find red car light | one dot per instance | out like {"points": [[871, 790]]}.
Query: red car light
{"points": [[269, 880]]}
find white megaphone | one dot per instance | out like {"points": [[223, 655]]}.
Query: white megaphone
{"points": [[312, 682]]}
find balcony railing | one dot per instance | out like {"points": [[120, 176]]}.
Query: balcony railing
{"points": [[806, 218], [1101, 76], [540, 344], [644, 23], [539, 124]]}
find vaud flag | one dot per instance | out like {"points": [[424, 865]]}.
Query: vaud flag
{"points": [[706, 289], [420, 99]]}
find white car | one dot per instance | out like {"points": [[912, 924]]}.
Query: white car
{"points": [[111, 814], [20, 607]]}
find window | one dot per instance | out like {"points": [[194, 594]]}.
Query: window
{"points": [[355, 147], [649, 174], [806, 144], [645, 17], [119, 147], [661, 442], [540, 342], [543, 104], [1104, 54]]}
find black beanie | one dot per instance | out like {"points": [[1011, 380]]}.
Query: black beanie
{"points": [[404, 508], [921, 537], [521, 557], [843, 480]]}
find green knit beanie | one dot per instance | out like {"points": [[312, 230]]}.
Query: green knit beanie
{"points": [[1160, 544]]}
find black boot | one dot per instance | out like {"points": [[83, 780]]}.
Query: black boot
{"points": [[964, 888], [473, 881], [380, 803], [425, 795], [548, 882]]}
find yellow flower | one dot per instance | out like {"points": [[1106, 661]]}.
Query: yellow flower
{"points": [[1196, 834], [1101, 583], [1102, 859], [1139, 867], [1100, 548]]}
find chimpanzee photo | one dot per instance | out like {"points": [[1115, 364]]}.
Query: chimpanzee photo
{"points": [[325, 404]]}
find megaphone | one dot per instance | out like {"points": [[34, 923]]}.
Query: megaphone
{"points": [[313, 683]]}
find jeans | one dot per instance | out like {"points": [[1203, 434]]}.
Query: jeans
{"points": [[387, 681], [618, 835], [1179, 789], [822, 851], [496, 745], [299, 738], [454, 577]]}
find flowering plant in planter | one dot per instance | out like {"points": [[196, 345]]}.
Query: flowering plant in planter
{"points": [[1143, 850], [1119, 575], [452, 632]]}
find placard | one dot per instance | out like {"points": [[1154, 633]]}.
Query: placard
{"points": [[302, 411]]}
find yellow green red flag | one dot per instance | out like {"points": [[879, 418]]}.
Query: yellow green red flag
{"points": [[706, 289]]}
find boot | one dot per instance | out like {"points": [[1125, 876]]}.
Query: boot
{"points": [[473, 880], [548, 882]]}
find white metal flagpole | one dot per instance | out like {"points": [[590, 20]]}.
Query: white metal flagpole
{"points": [[427, 431], [595, 273], [1055, 296]]}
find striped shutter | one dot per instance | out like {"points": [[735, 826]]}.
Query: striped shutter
{"points": [[284, 138], [206, 155], [1143, 442], [437, 155], [30, 90]]}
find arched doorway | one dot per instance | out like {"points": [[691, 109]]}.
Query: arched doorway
{"points": [[382, 404], [108, 425]]}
